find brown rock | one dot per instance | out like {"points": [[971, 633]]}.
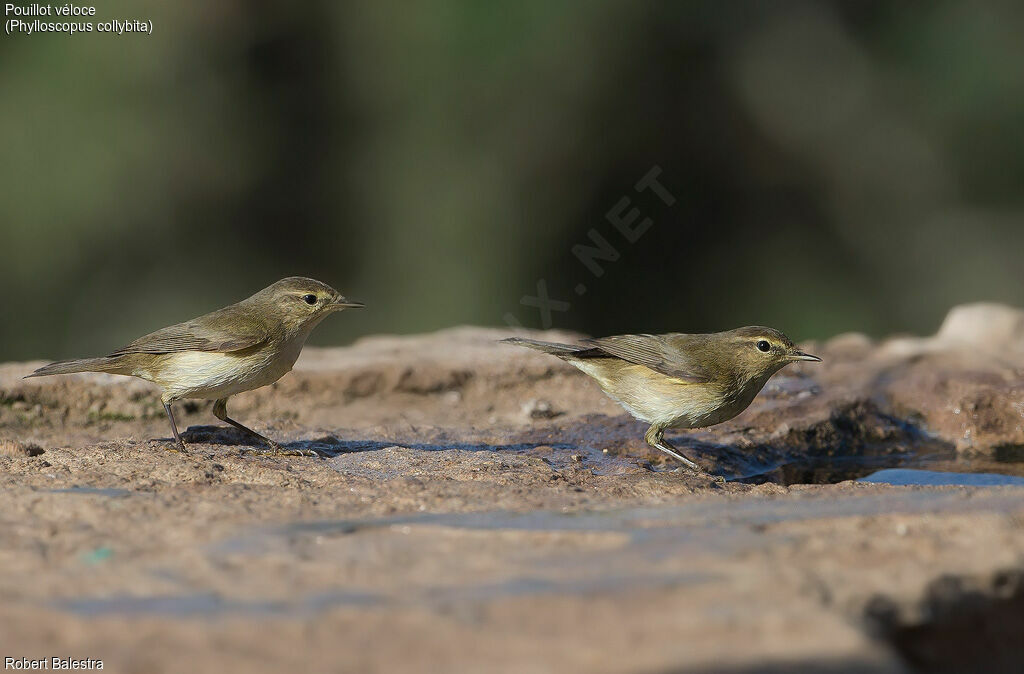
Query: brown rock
{"points": [[458, 526]]}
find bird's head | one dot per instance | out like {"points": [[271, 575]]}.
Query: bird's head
{"points": [[755, 353], [300, 302]]}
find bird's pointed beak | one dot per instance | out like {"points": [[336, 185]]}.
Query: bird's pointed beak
{"points": [[344, 303], [800, 355]]}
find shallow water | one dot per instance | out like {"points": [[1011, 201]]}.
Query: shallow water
{"points": [[529, 554], [927, 467], [111, 492], [209, 605], [935, 478], [593, 444]]}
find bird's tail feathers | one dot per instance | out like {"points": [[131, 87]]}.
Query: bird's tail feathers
{"points": [[560, 350], [77, 365]]}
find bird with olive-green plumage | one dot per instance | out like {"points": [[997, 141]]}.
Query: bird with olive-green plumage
{"points": [[680, 380], [238, 348]]}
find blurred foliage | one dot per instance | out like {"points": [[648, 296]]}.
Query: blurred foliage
{"points": [[836, 165]]}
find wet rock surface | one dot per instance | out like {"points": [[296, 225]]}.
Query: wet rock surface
{"points": [[486, 507]]}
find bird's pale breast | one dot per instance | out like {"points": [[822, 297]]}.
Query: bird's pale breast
{"points": [[657, 399], [209, 374]]}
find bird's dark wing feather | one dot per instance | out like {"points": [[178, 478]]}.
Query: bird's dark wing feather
{"points": [[661, 353], [232, 328]]}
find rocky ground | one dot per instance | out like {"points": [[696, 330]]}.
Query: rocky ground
{"points": [[483, 507]]}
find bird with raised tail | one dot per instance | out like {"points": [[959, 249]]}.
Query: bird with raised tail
{"points": [[679, 380], [238, 348]]}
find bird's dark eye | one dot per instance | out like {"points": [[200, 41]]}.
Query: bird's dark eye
{"points": [[310, 299], [764, 346]]}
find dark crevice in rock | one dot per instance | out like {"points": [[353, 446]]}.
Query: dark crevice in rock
{"points": [[856, 439], [855, 428], [1009, 453], [959, 626], [425, 382]]}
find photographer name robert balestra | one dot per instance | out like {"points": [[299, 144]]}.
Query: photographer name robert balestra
{"points": [[56, 663]]}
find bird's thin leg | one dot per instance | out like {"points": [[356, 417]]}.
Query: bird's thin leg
{"points": [[220, 410], [174, 428], [655, 437]]}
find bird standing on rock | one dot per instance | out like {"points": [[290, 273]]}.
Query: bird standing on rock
{"points": [[238, 348], [679, 380]]}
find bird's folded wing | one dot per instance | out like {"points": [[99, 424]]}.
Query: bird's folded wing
{"points": [[657, 352], [228, 329]]}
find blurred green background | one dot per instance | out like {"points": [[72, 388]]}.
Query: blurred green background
{"points": [[835, 165]]}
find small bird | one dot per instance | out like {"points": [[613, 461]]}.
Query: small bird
{"points": [[678, 380], [238, 348]]}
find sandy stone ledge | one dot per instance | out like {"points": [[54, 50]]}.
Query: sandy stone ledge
{"points": [[486, 507]]}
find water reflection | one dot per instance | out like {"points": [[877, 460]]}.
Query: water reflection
{"points": [[934, 478]]}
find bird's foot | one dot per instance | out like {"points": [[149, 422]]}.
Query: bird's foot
{"points": [[176, 447], [664, 446], [655, 437]]}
